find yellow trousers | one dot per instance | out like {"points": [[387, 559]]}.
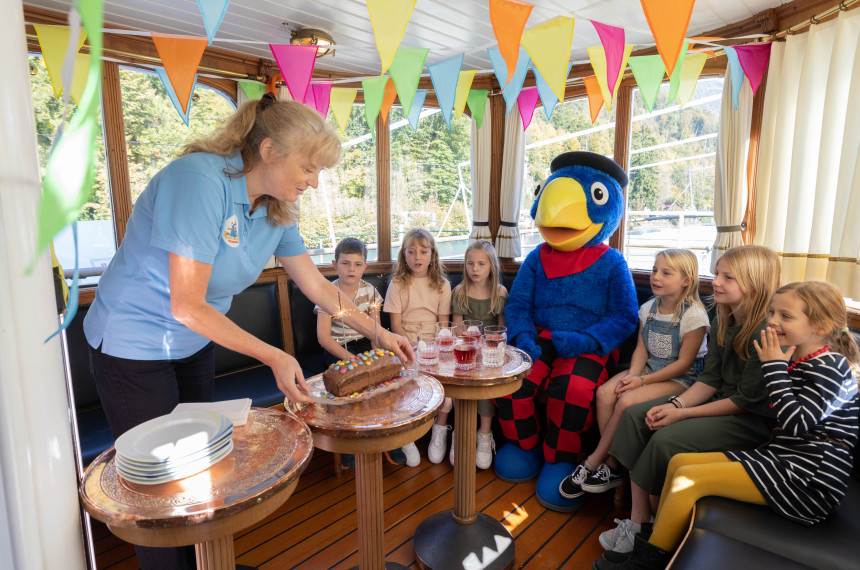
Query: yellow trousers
{"points": [[690, 477]]}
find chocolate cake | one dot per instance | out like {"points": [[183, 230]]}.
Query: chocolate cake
{"points": [[346, 377]]}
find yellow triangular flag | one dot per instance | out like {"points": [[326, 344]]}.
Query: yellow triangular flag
{"points": [[53, 41], [79, 81], [691, 68], [548, 45], [389, 19], [340, 103], [597, 55], [464, 83]]}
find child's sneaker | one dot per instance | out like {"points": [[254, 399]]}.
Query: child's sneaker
{"points": [[438, 443], [413, 458], [486, 447], [451, 453], [570, 486], [601, 480], [620, 538]]}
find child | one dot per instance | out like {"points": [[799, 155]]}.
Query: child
{"points": [[667, 359], [479, 297], [802, 472], [418, 297], [350, 260], [725, 409]]}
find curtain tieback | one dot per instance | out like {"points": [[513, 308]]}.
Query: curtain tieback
{"points": [[727, 229], [480, 224], [508, 224]]}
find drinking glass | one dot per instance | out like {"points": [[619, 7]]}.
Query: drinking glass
{"points": [[465, 352], [446, 331], [428, 349], [472, 329], [493, 351]]}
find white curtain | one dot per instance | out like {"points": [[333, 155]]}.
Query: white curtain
{"points": [[480, 156], [808, 177], [730, 179], [513, 158]]}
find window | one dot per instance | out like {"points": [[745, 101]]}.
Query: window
{"points": [[570, 129], [672, 165]]}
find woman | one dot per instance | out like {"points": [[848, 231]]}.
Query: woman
{"points": [[201, 232]]}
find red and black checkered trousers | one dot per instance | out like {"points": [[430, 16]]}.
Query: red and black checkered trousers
{"points": [[570, 385]]}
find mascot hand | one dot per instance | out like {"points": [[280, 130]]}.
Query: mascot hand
{"points": [[525, 341], [569, 344]]}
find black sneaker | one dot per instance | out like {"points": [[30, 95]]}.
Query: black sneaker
{"points": [[569, 488], [600, 480]]}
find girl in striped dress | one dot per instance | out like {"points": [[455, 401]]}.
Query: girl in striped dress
{"points": [[802, 472]]}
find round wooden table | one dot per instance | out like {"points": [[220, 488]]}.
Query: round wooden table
{"points": [[257, 477], [462, 538], [366, 428]]}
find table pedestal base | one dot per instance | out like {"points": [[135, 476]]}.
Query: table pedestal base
{"points": [[217, 554], [443, 544]]}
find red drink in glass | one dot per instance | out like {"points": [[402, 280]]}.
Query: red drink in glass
{"points": [[446, 341], [465, 354], [471, 337]]}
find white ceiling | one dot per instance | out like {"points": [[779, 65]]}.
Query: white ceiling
{"points": [[445, 27]]}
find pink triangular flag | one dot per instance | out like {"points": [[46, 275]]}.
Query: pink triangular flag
{"points": [[754, 58], [526, 101], [612, 39], [310, 100], [296, 64], [322, 94]]}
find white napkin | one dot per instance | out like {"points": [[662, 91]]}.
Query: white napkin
{"points": [[235, 410]]}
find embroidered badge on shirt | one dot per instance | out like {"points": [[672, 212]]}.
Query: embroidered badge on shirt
{"points": [[230, 233]]}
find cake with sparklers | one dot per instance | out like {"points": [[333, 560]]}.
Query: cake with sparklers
{"points": [[354, 374]]}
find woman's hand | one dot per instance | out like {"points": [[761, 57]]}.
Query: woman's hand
{"points": [[397, 344], [291, 381], [769, 348], [628, 383], [662, 416]]}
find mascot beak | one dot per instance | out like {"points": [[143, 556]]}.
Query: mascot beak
{"points": [[562, 215]]}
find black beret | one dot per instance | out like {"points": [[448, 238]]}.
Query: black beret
{"points": [[592, 160]]}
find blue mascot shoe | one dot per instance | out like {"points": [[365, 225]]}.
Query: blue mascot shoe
{"points": [[517, 465], [547, 488]]}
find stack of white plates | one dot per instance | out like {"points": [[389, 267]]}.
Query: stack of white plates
{"points": [[174, 446]]}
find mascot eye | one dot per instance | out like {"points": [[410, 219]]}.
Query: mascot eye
{"points": [[599, 193]]}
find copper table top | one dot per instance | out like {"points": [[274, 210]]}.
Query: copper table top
{"points": [[269, 454], [517, 364]]}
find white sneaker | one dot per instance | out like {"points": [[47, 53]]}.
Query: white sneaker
{"points": [[620, 538], [413, 458], [486, 448], [451, 453], [438, 443]]}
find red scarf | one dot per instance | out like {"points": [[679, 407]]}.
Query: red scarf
{"points": [[562, 263]]}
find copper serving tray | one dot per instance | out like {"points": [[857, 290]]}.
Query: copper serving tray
{"points": [[517, 364]]}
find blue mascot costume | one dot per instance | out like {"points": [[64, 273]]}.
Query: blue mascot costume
{"points": [[572, 304]]}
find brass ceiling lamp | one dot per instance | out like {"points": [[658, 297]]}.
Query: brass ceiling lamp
{"points": [[312, 37]]}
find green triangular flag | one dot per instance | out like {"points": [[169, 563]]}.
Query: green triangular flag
{"points": [[675, 79], [406, 71], [477, 102], [648, 71], [252, 89], [374, 89]]}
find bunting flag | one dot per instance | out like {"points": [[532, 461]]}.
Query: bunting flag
{"points": [[272, 85], [668, 20], [389, 19], [464, 84], [406, 71], [341, 105], [183, 107], [595, 97], [388, 97], [737, 73], [322, 97], [374, 91], [754, 59], [612, 39], [691, 68], [79, 81], [526, 101], [598, 63], [547, 96], [512, 87], [296, 64], [180, 56], [213, 12], [444, 75], [53, 41], [415, 110], [252, 89], [548, 45], [310, 100], [477, 101], [648, 71], [509, 18], [675, 77]]}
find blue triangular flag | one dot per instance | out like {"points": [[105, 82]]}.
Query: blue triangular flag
{"points": [[515, 85], [445, 75], [737, 73], [213, 12], [162, 74], [547, 95], [415, 109]]}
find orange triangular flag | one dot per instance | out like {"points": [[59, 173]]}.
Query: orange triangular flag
{"points": [[387, 99], [668, 20], [595, 97], [180, 56], [509, 20]]}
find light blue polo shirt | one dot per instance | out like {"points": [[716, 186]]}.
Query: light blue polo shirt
{"points": [[193, 209]]}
